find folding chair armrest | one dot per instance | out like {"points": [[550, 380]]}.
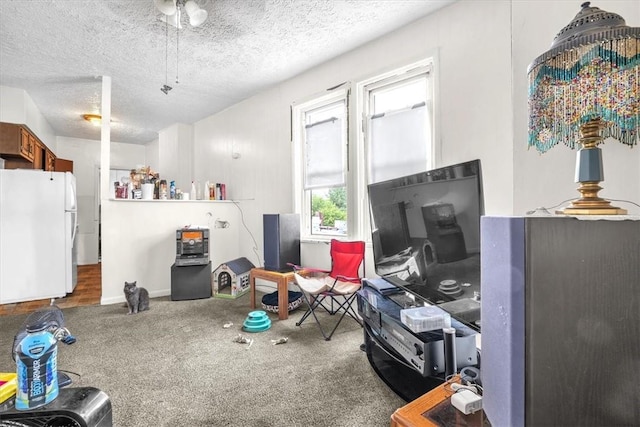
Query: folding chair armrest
{"points": [[295, 267], [299, 268], [315, 270]]}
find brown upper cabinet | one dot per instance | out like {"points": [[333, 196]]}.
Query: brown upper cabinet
{"points": [[21, 149], [62, 165], [17, 141]]}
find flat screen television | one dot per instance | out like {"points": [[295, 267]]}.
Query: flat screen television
{"points": [[426, 236]]}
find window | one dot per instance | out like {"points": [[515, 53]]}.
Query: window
{"points": [[398, 111], [320, 136], [334, 162]]}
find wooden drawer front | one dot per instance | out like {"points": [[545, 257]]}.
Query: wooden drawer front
{"points": [[27, 145], [50, 161], [33, 141], [24, 142]]}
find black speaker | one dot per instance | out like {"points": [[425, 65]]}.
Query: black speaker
{"points": [[281, 241], [190, 282], [560, 334], [74, 407]]}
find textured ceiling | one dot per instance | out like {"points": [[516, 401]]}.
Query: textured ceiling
{"points": [[57, 50]]}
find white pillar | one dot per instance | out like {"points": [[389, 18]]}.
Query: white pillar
{"points": [[105, 139]]}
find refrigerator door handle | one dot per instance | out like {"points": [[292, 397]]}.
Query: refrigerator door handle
{"points": [[75, 226]]}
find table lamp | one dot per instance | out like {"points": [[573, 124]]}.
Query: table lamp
{"points": [[584, 89]]}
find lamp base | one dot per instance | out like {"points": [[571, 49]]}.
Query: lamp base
{"points": [[590, 203], [612, 210]]}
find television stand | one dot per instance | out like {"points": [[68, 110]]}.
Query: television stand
{"points": [[410, 363], [405, 381]]}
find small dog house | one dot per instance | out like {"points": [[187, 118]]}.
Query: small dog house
{"points": [[231, 279]]}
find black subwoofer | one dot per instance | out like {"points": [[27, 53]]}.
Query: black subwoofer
{"points": [[74, 407], [281, 241]]}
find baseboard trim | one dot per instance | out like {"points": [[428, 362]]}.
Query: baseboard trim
{"points": [[120, 299]]}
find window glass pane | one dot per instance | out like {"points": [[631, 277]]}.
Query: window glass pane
{"points": [[335, 109], [398, 144], [399, 126], [324, 154], [397, 97], [329, 211], [325, 144]]}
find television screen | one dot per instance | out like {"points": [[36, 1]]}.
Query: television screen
{"points": [[426, 236]]}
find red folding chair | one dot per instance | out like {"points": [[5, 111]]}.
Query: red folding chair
{"points": [[337, 287]]}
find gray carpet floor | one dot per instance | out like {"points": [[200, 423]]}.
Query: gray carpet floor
{"points": [[178, 365]]}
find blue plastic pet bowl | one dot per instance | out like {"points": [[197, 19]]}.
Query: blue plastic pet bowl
{"points": [[257, 321]]}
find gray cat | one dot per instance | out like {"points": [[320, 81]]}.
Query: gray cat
{"points": [[137, 298]]}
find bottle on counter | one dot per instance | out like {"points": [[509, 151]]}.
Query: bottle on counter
{"points": [[193, 194], [198, 190], [172, 190], [163, 189]]}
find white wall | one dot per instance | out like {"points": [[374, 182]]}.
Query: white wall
{"points": [[16, 106], [139, 243], [12, 106], [175, 155], [152, 154]]}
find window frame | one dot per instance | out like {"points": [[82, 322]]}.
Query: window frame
{"points": [[363, 89], [397, 78], [302, 197]]}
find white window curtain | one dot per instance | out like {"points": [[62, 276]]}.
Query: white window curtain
{"points": [[324, 154], [398, 143]]}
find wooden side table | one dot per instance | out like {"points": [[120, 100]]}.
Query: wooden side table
{"points": [[434, 409], [282, 280]]}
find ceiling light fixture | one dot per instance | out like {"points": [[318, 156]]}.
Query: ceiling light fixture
{"points": [[197, 16], [171, 11], [94, 119], [171, 14], [167, 7]]}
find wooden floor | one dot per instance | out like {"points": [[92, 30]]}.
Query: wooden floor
{"points": [[87, 292]]}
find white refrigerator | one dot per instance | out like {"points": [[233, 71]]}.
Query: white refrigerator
{"points": [[38, 224]]}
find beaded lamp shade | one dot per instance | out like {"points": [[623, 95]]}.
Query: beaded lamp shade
{"points": [[591, 71], [584, 89]]}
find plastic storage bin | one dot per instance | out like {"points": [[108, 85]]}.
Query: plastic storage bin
{"points": [[423, 319]]}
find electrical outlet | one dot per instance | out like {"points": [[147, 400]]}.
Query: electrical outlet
{"points": [[221, 224]]}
